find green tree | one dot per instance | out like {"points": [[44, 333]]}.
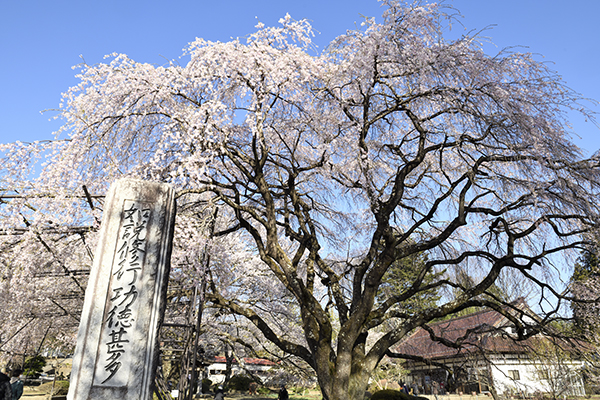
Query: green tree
{"points": [[400, 277], [34, 365], [587, 265], [585, 305], [586, 274]]}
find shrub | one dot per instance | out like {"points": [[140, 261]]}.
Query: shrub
{"points": [[264, 390], [61, 388], [34, 365], [206, 384], [390, 394], [240, 383]]}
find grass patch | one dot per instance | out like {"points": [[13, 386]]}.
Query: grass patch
{"points": [[60, 388]]}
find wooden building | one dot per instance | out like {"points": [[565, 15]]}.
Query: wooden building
{"points": [[489, 360]]}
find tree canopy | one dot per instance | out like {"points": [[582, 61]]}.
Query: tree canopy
{"points": [[396, 143], [585, 285], [585, 289]]}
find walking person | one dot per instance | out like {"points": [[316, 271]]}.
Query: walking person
{"points": [[252, 388], [219, 395], [283, 393], [404, 388], [435, 389], [16, 384], [5, 389]]}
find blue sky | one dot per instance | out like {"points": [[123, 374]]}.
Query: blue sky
{"points": [[41, 40]]}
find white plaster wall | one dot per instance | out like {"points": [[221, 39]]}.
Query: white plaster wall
{"points": [[528, 382], [220, 378], [235, 369]]}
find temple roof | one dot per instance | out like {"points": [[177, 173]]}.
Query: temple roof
{"points": [[486, 330]]}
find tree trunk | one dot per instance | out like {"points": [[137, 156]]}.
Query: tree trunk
{"points": [[353, 388], [228, 366], [342, 386]]}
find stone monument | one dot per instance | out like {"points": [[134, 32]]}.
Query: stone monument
{"points": [[117, 350]]}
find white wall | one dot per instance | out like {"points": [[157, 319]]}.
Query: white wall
{"points": [[235, 369], [529, 379]]}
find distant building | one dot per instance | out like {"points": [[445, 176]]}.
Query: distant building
{"points": [[257, 366], [488, 361]]}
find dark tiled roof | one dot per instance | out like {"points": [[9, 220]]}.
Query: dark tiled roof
{"points": [[474, 331]]}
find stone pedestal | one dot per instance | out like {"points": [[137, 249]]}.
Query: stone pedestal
{"points": [[117, 349]]}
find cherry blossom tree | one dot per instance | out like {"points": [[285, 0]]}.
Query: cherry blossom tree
{"points": [[326, 170]]}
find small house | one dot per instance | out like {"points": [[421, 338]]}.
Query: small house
{"points": [[256, 366]]}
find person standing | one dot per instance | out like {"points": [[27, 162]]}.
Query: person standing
{"points": [[252, 388], [435, 389], [219, 395], [5, 389], [283, 393], [16, 384]]}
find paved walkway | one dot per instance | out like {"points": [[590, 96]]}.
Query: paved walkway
{"points": [[34, 396]]}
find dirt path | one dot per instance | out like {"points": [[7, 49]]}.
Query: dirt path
{"points": [[33, 396]]}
